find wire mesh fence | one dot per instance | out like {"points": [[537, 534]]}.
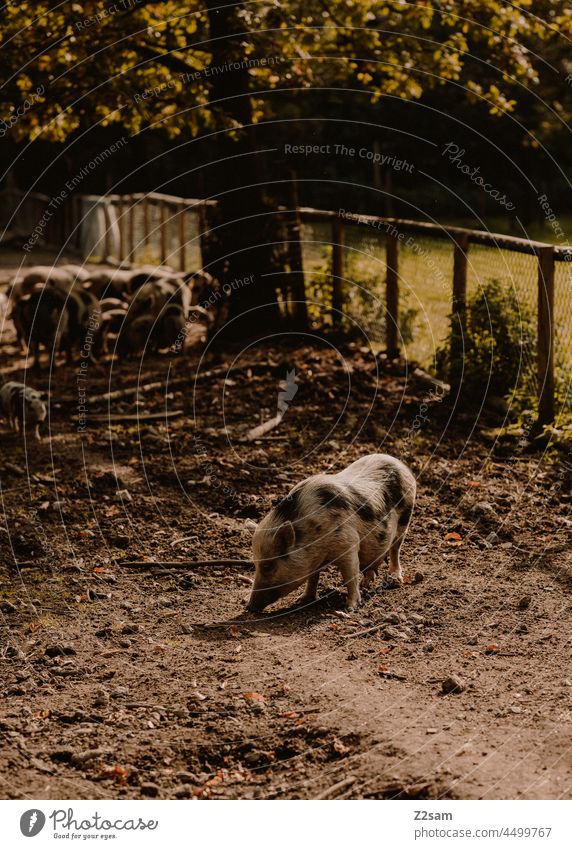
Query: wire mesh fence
{"points": [[425, 259]]}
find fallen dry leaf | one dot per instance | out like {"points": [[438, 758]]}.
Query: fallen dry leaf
{"points": [[119, 773], [304, 719], [453, 538], [253, 697]]}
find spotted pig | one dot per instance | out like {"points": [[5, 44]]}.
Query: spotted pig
{"points": [[353, 519], [22, 405]]}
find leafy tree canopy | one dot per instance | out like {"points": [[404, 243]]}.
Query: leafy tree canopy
{"points": [[144, 64]]}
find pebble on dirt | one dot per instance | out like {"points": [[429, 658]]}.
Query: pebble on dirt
{"points": [[101, 698], [123, 495], [452, 684], [150, 789]]}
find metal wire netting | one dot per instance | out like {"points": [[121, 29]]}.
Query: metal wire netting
{"points": [[151, 232], [149, 249], [563, 336], [425, 273], [518, 275]]}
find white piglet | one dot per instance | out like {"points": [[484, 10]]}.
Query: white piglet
{"points": [[22, 406], [353, 519]]}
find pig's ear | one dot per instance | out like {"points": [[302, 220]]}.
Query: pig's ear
{"points": [[250, 525], [285, 536]]}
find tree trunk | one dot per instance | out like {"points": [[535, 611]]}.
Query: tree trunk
{"points": [[241, 256]]}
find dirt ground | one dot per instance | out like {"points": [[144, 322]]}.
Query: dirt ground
{"points": [[122, 682]]}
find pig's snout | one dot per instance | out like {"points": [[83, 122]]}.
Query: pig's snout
{"points": [[261, 598]]}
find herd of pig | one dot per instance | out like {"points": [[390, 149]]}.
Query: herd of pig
{"points": [[122, 311], [353, 519]]}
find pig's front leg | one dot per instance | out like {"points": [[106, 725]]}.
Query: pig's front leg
{"points": [[349, 567], [311, 589]]}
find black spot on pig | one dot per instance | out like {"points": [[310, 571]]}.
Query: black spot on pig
{"points": [[405, 516], [331, 497], [362, 507], [287, 509], [394, 489]]}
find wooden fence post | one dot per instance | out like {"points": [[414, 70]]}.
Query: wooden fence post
{"points": [[545, 343], [392, 293], [337, 271], [121, 225], [296, 259], [107, 234], [459, 302], [163, 230], [182, 237], [131, 223], [204, 226], [146, 224]]}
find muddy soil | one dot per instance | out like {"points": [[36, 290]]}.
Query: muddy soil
{"points": [[129, 682]]}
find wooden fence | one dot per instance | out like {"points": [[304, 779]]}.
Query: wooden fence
{"points": [[394, 230], [130, 224]]}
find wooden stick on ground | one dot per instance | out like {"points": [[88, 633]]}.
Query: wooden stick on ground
{"points": [[135, 417], [257, 432], [340, 785], [182, 564], [365, 631], [129, 391]]}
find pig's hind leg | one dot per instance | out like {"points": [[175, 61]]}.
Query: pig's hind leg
{"points": [[348, 564], [395, 570], [311, 589]]}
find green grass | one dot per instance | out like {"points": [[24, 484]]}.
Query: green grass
{"points": [[425, 275]]}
